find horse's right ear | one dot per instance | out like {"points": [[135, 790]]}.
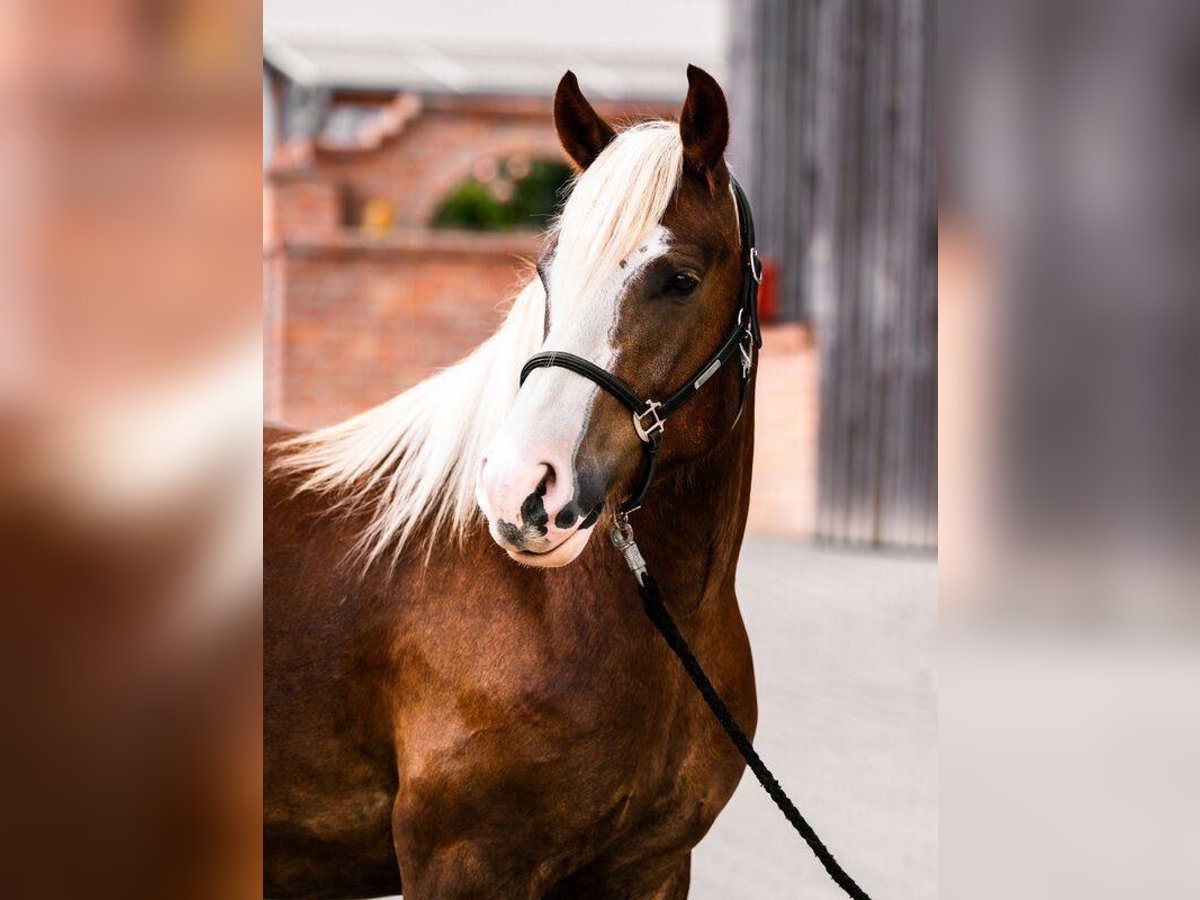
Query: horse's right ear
{"points": [[703, 123], [581, 131]]}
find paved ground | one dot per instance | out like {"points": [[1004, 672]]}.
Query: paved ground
{"points": [[843, 648]]}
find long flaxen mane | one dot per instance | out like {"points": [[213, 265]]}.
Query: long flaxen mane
{"points": [[410, 464]]}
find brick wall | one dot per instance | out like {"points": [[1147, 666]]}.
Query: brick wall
{"points": [[784, 494], [367, 318], [415, 162], [435, 153], [351, 319]]}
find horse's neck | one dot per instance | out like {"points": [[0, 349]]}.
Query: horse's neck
{"points": [[691, 528]]}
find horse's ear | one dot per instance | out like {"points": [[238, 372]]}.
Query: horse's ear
{"points": [[703, 123], [581, 131]]}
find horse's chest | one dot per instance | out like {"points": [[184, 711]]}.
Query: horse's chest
{"points": [[589, 743]]}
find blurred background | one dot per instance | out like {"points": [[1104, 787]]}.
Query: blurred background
{"points": [[411, 168], [1069, 448], [130, 402], [141, 141]]}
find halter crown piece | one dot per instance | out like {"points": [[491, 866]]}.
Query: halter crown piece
{"points": [[649, 415]]}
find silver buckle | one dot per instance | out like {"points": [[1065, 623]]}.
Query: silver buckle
{"points": [[647, 433], [756, 266], [745, 346]]}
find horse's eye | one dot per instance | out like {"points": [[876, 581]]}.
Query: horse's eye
{"points": [[682, 284]]}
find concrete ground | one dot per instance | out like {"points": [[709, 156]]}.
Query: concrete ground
{"points": [[843, 650]]}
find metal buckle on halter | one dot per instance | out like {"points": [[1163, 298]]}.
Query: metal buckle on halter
{"points": [[756, 266], [745, 348], [745, 345], [657, 426]]}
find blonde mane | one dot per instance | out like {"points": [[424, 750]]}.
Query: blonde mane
{"points": [[412, 461]]}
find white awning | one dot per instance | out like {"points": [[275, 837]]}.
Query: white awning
{"points": [[620, 49]]}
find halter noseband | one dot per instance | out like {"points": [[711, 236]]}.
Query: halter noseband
{"points": [[650, 416]]}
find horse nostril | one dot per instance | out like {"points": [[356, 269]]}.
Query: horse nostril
{"points": [[567, 516], [540, 507], [533, 512], [548, 480]]}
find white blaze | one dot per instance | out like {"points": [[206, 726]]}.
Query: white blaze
{"points": [[554, 407]]}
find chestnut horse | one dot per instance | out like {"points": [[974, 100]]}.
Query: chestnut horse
{"points": [[478, 728]]}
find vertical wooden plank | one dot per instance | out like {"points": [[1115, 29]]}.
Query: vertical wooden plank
{"points": [[928, 254], [796, 199], [895, 513], [823, 246], [894, 453], [846, 415], [833, 413], [874, 272], [743, 86]]}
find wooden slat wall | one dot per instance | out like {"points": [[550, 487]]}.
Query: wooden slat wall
{"points": [[833, 136]]}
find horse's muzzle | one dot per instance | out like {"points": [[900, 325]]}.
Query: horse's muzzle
{"points": [[528, 497]]}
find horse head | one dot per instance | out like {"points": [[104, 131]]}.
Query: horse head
{"points": [[641, 278]]}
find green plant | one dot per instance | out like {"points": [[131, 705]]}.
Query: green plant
{"points": [[506, 202]]}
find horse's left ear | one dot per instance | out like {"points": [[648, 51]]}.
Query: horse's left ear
{"points": [[703, 123]]}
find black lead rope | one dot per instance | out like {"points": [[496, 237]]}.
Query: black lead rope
{"points": [[656, 612], [649, 419]]}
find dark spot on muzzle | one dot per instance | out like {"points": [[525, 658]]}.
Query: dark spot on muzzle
{"points": [[590, 484], [571, 513], [566, 516], [510, 532], [533, 511]]}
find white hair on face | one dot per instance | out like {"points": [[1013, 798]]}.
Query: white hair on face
{"points": [[413, 460], [616, 204]]}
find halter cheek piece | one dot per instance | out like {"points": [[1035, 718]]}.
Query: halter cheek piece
{"points": [[650, 416]]}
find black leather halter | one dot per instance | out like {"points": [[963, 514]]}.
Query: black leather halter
{"points": [[650, 416]]}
